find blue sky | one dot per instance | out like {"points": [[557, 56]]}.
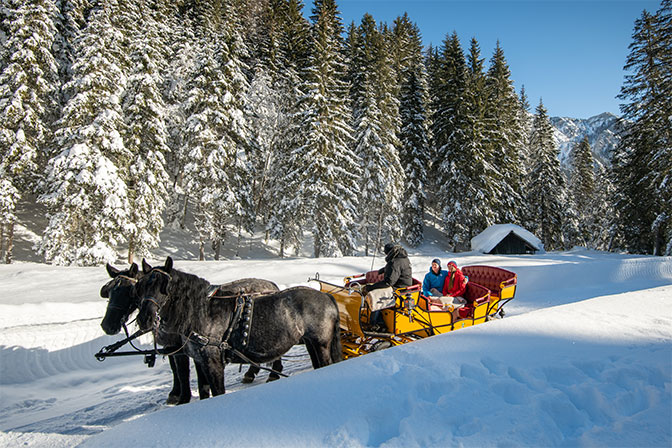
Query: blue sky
{"points": [[569, 53]]}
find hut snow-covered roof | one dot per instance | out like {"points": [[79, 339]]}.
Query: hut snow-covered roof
{"points": [[488, 240]]}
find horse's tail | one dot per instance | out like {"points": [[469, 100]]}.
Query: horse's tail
{"points": [[336, 349]]}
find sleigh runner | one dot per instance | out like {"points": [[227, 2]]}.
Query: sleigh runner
{"points": [[409, 314]]}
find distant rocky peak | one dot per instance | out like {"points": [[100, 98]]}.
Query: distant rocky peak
{"points": [[602, 130]]}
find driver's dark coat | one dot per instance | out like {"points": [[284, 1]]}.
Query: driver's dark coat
{"points": [[397, 271]]}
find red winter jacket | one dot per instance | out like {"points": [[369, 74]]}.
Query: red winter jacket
{"points": [[455, 285]]}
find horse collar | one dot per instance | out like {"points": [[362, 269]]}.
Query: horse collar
{"points": [[238, 332]]}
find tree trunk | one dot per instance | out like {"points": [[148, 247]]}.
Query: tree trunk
{"points": [[131, 250], [380, 228], [282, 247], [316, 249], [366, 240], [184, 212], [10, 243], [201, 251], [217, 245], [2, 239]]}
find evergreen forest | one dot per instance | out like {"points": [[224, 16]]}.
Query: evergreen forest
{"points": [[123, 116]]}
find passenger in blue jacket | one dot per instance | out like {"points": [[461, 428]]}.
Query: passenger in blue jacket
{"points": [[432, 285]]}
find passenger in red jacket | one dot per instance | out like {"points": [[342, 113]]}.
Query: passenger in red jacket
{"points": [[455, 284]]}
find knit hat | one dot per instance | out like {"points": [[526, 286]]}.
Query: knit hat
{"points": [[437, 261], [388, 247], [452, 262]]}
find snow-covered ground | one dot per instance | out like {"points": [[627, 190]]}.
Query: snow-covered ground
{"points": [[583, 358]]}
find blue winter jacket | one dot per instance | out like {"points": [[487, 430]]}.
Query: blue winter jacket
{"points": [[433, 280]]}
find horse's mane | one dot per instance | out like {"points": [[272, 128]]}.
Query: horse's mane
{"points": [[186, 303]]}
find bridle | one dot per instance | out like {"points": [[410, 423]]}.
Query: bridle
{"points": [[153, 300], [114, 283]]}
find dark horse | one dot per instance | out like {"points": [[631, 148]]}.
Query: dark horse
{"points": [[123, 301], [218, 331]]}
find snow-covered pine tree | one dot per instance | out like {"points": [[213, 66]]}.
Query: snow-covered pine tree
{"points": [[505, 138], [241, 209], [642, 164], [582, 191], [145, 136], [606, 214], [86, 195], [205, 172], [413, 136], [434, 82], [525, 119], [9, 197], [28, 92], [5, 23], [69, 23], [546, 193], [267, 95], [321, 166], [182, 48], [376, 127], [267, 123], [216, 132], [448, 84], [468, 176], [283, 224]]}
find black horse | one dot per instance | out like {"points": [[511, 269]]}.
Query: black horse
{"points": [[226, 330], [123, 301]]}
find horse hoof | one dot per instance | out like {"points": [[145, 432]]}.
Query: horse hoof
{"points": [[247, 379], [173, 400], [203, 394], [272, 378]]}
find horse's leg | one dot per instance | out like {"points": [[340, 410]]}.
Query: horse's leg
{"points": [[277, 366], [319, 351], [213, 366], [312, 352], [182, 364], [250, 374], [203, 385], [174, 394]]}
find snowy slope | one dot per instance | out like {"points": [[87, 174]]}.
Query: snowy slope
{"points": [[583, 358]]}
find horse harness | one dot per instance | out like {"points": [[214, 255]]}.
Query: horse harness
{"points": [[238, 331]]}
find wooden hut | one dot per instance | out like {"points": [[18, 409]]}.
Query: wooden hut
{"points": [[506, 239]]}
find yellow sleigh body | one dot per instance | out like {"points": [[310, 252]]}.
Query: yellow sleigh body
{"points": [[414, 316]]}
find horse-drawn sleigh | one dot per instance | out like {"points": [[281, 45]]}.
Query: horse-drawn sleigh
{"points": [[409, 314], [250, 321]]}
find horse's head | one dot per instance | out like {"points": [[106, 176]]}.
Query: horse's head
{"points": [[122, 298], [152, 289]]}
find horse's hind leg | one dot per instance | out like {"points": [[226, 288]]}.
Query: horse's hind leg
{"points": [[277, 367], [203, 385], [313, 352], [250, 374], [319, 351]]}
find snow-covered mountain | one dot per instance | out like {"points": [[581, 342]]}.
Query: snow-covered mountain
{"points": [[602, 130]]}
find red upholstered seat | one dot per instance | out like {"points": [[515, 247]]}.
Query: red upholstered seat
{"points": [[490, 277], [374, 277], [475, 295]]}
